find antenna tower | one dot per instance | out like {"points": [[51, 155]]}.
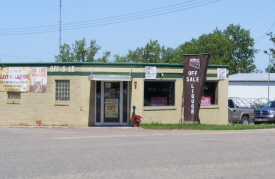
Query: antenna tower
{"points": [[60, 28]]}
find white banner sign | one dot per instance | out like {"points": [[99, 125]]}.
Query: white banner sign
{"points": [[150, 72], [221, 73]]}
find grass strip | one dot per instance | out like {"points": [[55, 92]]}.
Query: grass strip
{"points": [[205, 126]]}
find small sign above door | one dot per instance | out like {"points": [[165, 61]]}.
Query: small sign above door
{"points": [[150, 72]]}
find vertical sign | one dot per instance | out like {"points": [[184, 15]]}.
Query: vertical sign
{"points": [[221, 73], [38, 79], [195, 67]]}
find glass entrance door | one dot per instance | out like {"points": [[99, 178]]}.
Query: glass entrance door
{"points": [[112, 102]]}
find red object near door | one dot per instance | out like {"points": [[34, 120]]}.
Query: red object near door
{"points": [[135, 124]]}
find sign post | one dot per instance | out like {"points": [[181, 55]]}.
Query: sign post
{"points": [[194, 74]]}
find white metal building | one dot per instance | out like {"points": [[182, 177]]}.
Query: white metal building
{"points": [[252, 86]]}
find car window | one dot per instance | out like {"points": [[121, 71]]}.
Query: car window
{"points": [[273, 104], [267, 104], [230, 104]]}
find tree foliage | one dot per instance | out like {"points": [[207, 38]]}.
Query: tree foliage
{"points": [[272, 51], [80, 53], [216, 44], [152, 52], [232, 46], [242, 48]]}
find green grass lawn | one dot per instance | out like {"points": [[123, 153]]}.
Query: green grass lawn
{"points": [[205, 127]]}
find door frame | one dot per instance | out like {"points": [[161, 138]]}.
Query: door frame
{"points": [[120, 123]]}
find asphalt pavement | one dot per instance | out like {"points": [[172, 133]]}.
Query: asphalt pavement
{"points": [[123, 152]]}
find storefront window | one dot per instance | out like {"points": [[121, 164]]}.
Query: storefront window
{"points": [[210, 94], [159, 93]]}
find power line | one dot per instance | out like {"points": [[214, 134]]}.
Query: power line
{"points": [[54, 26], [11, 56], [108, 21], [265, 33]]}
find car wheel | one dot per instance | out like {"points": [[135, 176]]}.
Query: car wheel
{"points": [[245, 120]]}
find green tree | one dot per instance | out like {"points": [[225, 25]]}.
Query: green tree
{"points": [[79, 50], [105, 57], [151, 53], [80, 53], [233, 47], [118, 58], [216, 44], [272, 38], [272, 51], [167, 55], [65, 54], [242, 48], [92, 51]]}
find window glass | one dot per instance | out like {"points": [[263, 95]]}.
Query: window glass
{"points": [[267, 105], [159, 93], [210, 92], [14, 95], [230, 104], [62, 90]]}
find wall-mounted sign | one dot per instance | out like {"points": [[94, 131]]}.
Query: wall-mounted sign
{"points": [[15, 79], [38, 78], [150, 72], [195, 67], [221, 73], [63, 69], [23, 79]]}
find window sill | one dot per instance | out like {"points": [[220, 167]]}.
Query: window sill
{"points": [[210, 107], [62, 103], [13, 101], [154, 108]]}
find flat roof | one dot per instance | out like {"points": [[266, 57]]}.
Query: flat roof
{"points": [[251, 77]]}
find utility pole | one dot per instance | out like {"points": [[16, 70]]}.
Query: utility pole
{"points": [[60, 28], [268, 71]]}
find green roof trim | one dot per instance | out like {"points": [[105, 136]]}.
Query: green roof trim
{"points": [[134, 75]]}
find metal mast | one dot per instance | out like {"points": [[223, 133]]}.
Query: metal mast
{"points": [[60, 28]]}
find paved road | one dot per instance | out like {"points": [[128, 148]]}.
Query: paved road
{"points": [[27, 152]]}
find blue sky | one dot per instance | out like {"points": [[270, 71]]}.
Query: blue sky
{"points": [[172, 23]]}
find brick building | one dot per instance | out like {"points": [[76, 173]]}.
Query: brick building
{"points": [[89, 94]]}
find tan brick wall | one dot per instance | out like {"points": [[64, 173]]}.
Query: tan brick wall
{"points": [[42, 106]]}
